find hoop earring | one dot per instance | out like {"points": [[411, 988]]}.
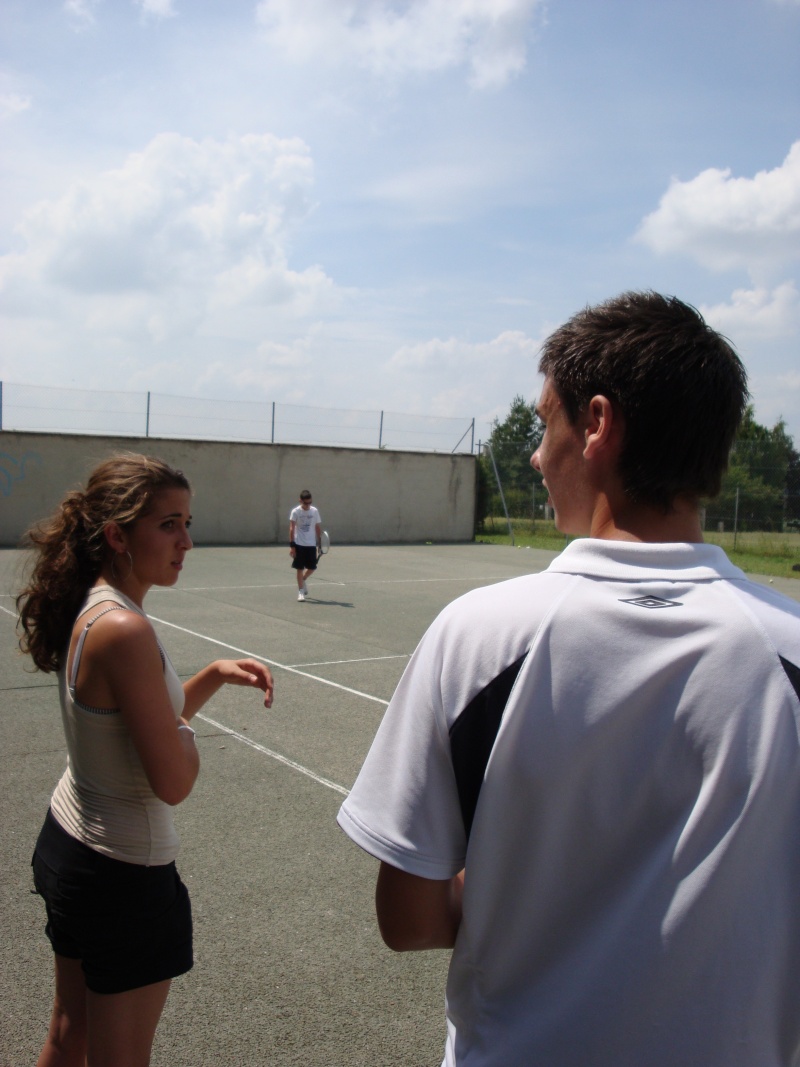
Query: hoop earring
{"points": [[114, 574]]}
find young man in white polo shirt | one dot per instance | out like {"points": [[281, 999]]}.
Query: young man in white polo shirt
{"points": [[305, 534], [588, 781]]}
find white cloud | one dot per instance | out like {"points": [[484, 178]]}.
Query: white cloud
{"points": [[761, 313], [184, 232], [271, 367], [724, 222], [81, 11], [453, 376], [763, 323], [453, 354], [160, 9], [391, 39], [12, 104], [142, 225]]}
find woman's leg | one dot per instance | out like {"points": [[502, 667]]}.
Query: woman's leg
{"points": [[66, 1039], [100, 1029], [121, 1026]]}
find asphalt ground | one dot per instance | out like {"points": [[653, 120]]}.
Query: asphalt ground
{"points": [[289, 966]]}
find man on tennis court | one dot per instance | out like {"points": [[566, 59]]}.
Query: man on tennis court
{"points": [[305, 534], [588, 780]]}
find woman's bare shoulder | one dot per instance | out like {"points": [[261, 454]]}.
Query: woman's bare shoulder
{"points": [[113, 625]]}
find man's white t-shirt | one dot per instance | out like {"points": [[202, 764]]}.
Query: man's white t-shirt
{"points": [[611, 750], [305, 524]]}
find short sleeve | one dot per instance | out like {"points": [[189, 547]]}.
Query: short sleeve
{"points": [[404, 807]]}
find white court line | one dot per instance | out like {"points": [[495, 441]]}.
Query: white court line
{"points": [[411, 581], [246, 740], [213, 588], [221, 588], [275, 755], [293, 670], [284, 666], [370, 581], [270, 662], [364, 659]]}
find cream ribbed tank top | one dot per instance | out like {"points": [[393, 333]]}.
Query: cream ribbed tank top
{"points": [[103, 798]]}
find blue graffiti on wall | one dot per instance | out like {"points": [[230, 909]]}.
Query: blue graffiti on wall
{"points": [[15, 470]]}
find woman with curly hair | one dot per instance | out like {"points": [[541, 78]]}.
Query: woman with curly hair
{"points": [[118, 915]]}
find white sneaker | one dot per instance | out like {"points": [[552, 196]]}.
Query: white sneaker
{"points": [[305, 589], [301, 595]]}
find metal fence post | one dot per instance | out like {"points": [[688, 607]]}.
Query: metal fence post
{"points": [[1, 405], [502, 495], [147, 419], [272, 439], [469, 429], [380, 433]]}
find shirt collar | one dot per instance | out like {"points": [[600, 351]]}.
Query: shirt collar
{"points": [[640, 561]]}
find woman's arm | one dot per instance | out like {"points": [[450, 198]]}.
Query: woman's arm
{"points": [[417, 913], [123, 653], [221, 672]]}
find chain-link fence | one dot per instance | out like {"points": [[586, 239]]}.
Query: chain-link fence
{"points": [[758, 494], [48, 409]]}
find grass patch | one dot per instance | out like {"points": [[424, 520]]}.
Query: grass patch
{"points": [[772, 554]]}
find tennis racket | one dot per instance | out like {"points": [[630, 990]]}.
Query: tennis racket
{"points": [[324, 544]]}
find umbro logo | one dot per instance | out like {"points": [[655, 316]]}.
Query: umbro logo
{"points": [[652, 602]]}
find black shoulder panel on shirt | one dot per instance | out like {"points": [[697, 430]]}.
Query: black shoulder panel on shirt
{"points": [[472, 738], [792, 673]]}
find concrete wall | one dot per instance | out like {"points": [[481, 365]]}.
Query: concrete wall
{"points": [[243, 492]]}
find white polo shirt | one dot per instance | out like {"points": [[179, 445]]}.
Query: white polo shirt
{"points": [[611, 748]]}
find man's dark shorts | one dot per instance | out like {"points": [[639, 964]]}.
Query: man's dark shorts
{"points": [[305, 558]]}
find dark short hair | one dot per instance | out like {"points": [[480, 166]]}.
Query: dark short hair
{"points": [[680, 386], [305, 495]]}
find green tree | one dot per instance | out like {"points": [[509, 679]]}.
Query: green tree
{"points": [[765, 469], [766, 453], [521, 425], [512, 442]]}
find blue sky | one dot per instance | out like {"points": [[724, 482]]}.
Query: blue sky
{"points": [[388, 204]]}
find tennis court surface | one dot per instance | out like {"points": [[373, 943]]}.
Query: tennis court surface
{"points": [[289, 966]]}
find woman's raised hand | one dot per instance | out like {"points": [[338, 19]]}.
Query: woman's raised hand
{"points": [[248, 672]]}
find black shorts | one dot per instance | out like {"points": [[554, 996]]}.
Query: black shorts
{"points": [[128, 924], [305, 558]]}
